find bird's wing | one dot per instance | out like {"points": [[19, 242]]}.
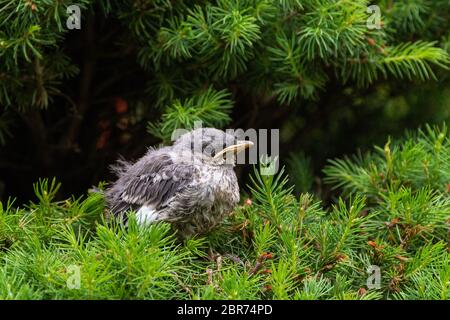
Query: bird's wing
{"points": [[151, 181]]}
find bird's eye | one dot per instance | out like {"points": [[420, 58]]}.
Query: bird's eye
{"points": [[192, 145], [224, 145], [209, 150]]}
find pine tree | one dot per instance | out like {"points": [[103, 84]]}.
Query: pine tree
{"points": [[186, 61], [192, 51]]}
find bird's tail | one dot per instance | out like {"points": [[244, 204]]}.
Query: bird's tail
{"points": [[120, 166]]}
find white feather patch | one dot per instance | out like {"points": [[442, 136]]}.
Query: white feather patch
{"points": [[146, 215]]}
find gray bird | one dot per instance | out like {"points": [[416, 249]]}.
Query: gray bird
{"points": [[191, 184]]}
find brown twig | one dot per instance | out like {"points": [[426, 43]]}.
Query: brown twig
{"points": [[259, 263]]}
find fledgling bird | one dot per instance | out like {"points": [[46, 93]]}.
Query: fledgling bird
{"points": [[191, 184]]}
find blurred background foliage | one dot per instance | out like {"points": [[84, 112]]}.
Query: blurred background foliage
{"points": [[71, 101]]}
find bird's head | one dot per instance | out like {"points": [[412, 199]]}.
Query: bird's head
{"points": [[213, 146]]}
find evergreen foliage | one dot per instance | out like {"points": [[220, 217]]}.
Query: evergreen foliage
{"points": [[393, 214], [285, 49], [180, 62]]}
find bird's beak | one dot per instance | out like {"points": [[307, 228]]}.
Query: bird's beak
{"points": [[236, 148]]}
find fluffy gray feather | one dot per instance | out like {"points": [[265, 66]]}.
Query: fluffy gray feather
{"points": [[185, 184]]}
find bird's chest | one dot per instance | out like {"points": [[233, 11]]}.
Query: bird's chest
{"points": [[213, 195], [221, 187]]}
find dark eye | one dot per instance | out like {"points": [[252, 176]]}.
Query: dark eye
{"points": [[192, 145], [224, 145], [209, 150]]}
